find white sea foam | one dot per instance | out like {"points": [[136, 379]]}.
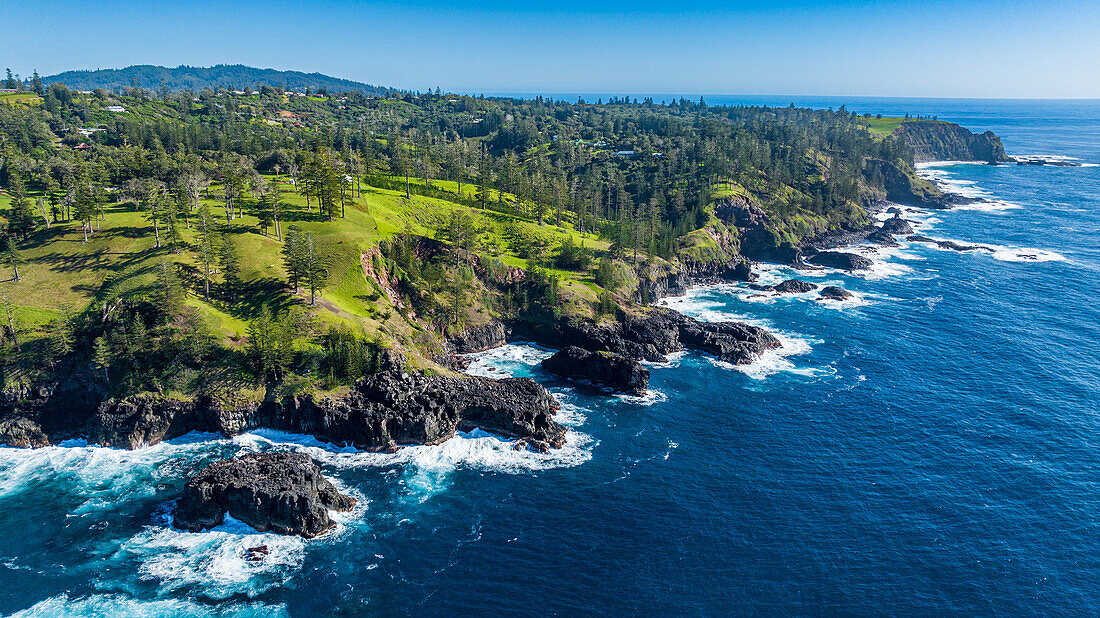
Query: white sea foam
{"points": [[474, 449], [507, 360], [919, 218], [1000, 252], [671, 361], [857, 300], [777, 361], [988, 205], [120, 606], [650, 397], [1054, 158], [1016, 254], [924, 165], [697, 305], [946, 180], [883, 264], [213, 562], [570, 414], [100, 476]]}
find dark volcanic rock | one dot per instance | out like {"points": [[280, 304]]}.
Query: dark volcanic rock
{"points": [[896, 225], [141, 420], [692, 273], [757, 241], [658, 332], [603, 368], [732, 342], [841, 260], [389, 407], [883, 238], [480, 338], [22, 432], [833, 292], [794, 286], [272, 492], [948, 244]]}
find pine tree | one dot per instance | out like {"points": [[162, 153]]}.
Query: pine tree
{"points": [[10, 254], [101, 356], [315, 262], [170, 293], [231, 267], [207, 243], [293, 261], [21, 220], [59, 337]]}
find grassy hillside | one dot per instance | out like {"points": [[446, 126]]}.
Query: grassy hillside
{"points": [[62, 271]]}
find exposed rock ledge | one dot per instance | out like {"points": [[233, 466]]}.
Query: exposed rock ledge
{"points": [[384, 409], [601, 368], [272, 492], [656, 333]]}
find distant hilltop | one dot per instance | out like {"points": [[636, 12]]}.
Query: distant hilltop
{"points": [[230, 76], [947, 141]]}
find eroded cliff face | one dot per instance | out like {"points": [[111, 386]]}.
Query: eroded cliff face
{"points": [[945, 141], [393, 406]]}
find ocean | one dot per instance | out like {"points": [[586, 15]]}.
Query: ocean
{"points": [[930, 446]]}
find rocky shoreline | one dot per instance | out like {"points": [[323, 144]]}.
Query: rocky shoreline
{"points": [[391, 407]]}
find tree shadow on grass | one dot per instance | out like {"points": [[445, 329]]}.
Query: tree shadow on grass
{"points": [[269, 292], [299, 216]]}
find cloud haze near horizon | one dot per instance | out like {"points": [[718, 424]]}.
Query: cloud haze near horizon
{"points": [[854, 48]]}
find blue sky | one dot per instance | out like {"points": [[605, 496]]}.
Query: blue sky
{"points": [[887, 48]]}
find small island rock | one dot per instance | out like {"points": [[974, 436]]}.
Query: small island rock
{"points": [[794, 286], [896, 225], [832, 292], [841, 260], [272, 492], [603, 368]]}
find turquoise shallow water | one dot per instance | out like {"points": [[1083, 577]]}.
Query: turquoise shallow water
{"points": [[931, 447]]}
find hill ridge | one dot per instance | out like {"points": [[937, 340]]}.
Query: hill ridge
{"points": [[183, 77]]}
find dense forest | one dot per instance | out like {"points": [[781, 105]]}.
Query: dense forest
{"points": [[208, 241]]}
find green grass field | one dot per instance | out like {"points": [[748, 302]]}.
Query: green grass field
{"points": [[887, 125], [63, 271], [20, 97]]}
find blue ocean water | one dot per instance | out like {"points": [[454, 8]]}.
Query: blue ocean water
{"points": [[930, 447]]}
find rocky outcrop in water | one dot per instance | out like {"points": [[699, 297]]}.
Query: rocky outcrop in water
{"points": [[794, 286], [896, 225], [613, 371], [658, 332], [948, 244], [840, 260], [832, 292], [272, 492]]}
